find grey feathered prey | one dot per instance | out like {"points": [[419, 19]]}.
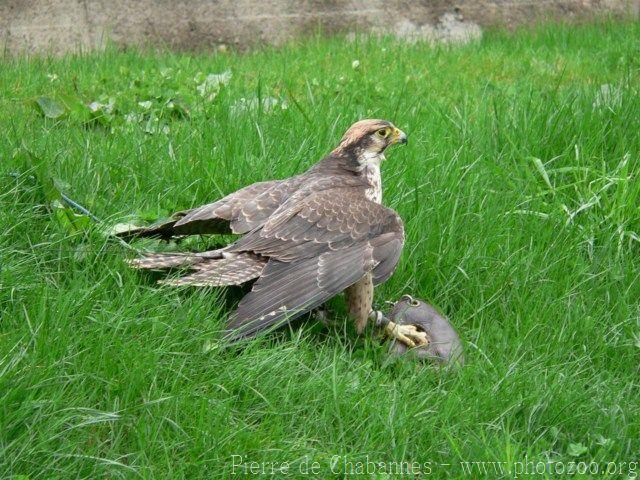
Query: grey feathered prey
{"points": [[306, 238]]}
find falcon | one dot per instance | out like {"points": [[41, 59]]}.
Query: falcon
{"points": [[305, 239]]}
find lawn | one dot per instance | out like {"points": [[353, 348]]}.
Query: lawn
{"points": [[520, 194]]}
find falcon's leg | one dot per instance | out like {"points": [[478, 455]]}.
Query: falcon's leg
{"points": [[407, 334], [360, 300]]}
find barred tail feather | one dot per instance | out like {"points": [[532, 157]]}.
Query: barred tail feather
{"points": [[163, 260], [235, 269]]}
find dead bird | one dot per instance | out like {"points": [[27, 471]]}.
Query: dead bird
{"points": [[438, 341]]}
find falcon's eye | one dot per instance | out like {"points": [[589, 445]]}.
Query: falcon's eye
{"points": [[383, 132]]}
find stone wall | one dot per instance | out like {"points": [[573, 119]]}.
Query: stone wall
{"points": [[31, 26]]}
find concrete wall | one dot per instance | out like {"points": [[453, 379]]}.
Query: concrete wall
{"points": [[30, 26]]}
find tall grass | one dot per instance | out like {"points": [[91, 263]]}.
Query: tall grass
{"points": [[519, 191]]}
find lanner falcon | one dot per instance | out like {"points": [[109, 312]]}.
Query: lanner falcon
{"points": [[306, 238]]}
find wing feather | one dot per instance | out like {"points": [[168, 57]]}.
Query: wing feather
{"points": [[341, 217], [309, 283], [331, 240], [238, 212], [244, 209]]}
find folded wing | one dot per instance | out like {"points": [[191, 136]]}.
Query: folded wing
{"points": [[323, 245]]}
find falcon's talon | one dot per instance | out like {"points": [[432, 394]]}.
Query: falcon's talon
{"points": [[422, 325], [407, 334]]}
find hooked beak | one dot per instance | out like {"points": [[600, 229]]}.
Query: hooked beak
{"points": [[399, 136]]}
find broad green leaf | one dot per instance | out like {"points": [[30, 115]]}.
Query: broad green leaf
{"points": [[603, 441], [70, 220], [49, 108], [102, 111], [212, 83], [75, 106], [577, 449]]}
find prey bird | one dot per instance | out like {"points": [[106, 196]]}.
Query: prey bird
{"points": [[305, 239]]}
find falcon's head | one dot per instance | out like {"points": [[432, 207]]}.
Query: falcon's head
{"points": [[368, 139]]}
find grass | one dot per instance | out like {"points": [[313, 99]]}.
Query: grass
{"points": [[520, 193]]}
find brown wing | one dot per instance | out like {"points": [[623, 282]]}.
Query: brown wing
{"points": [[323, 245], [245, 209], [238, 212]]}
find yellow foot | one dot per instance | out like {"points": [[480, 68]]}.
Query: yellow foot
{"points": [[407, 334]]}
